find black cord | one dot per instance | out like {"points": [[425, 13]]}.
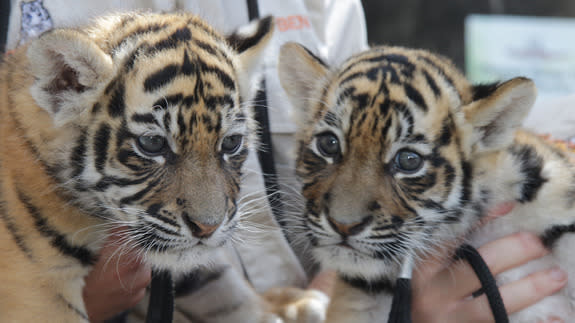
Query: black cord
{"points": [[4, 19], [265, 153], [161, 305], [401, 305], [488, 283]]}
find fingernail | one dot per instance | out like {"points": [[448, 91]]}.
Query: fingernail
{"points": [[558, 275]]}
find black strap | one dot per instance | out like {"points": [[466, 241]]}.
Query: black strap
{"points": [[4, 19], [401, 305], [488, 283], [161, 305], [265, 153]]}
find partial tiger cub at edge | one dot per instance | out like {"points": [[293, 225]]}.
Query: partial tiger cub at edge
{"points": [[400, 155], [139, 121]]}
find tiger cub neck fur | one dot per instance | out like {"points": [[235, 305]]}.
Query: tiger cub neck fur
{"points": [[138, 121], [399, 156]]}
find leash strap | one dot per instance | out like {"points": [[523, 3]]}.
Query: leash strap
{"points": [[161, 305], [488, 283], [265, 153], [401, 305]]}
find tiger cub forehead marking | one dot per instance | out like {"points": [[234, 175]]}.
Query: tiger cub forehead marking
{"points": [[174, 77]]}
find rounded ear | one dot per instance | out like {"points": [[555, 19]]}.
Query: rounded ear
{"points": [[497, 111], [68, 69], [249, 42], [299, 73]]}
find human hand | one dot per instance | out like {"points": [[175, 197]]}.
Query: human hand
{"points": [[441, 295], [117, 281]]}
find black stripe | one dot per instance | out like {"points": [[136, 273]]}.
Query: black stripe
{"points": [[241, 43], [132, 160], [180, 35], [531, 166], [116, 106], [78, 155], [416, 97], [551, 235], [440, 71], [196, 279], [57, 240], [154, 211], [139, 195], [447, 129], [161, 77], [15, 233], [382, 285], [169, 101], [101, 143], [407, 115], [466, 186], [484, 90], [226, 80], [108, 181], [145, 118], [432, 85], [214, 101], [140, 31], [74, 308], [188, 68]]}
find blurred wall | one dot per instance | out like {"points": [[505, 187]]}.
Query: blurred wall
{"points": [[438, 25]]}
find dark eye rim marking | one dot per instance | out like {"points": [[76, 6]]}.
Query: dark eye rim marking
{"points": [[322, 150], [236, 144], [150, 150], [397, 161]]}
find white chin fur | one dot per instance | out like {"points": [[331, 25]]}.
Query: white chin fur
{"points": [[352, 263], [181, 261]]}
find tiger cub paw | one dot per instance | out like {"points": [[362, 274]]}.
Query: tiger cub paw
{"points": [[297, 305]]}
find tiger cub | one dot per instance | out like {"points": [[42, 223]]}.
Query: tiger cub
{"points": [[399, 154], [139, 121]]}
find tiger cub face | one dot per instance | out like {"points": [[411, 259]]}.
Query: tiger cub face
{"points": [[387, 143], [144, 125]]}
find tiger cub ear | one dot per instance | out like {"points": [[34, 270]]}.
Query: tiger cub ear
{"points": [[249, 42], [69, 71], [497, 111], [300, 72]]}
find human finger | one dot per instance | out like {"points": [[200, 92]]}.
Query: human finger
{"points": [[324, 281], [499, 255], [500, 210], [516, 295]]}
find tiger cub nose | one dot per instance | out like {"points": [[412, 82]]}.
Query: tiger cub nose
{"points": [[350, 229], [199, 229]]}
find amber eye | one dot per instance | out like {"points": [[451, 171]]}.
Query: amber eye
{"points": [[231, 144], [152, 145], [328, 144], [407, 161]]}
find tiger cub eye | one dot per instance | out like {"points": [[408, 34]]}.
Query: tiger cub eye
{"points": [[152, 144], [408, 161], [231, 144], [328, 144]]}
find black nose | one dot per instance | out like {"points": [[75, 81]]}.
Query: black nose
{"points": [[350, 229]]}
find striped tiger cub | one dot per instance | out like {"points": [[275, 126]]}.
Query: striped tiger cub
{"points": [[138, 120], [399, 155]]}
